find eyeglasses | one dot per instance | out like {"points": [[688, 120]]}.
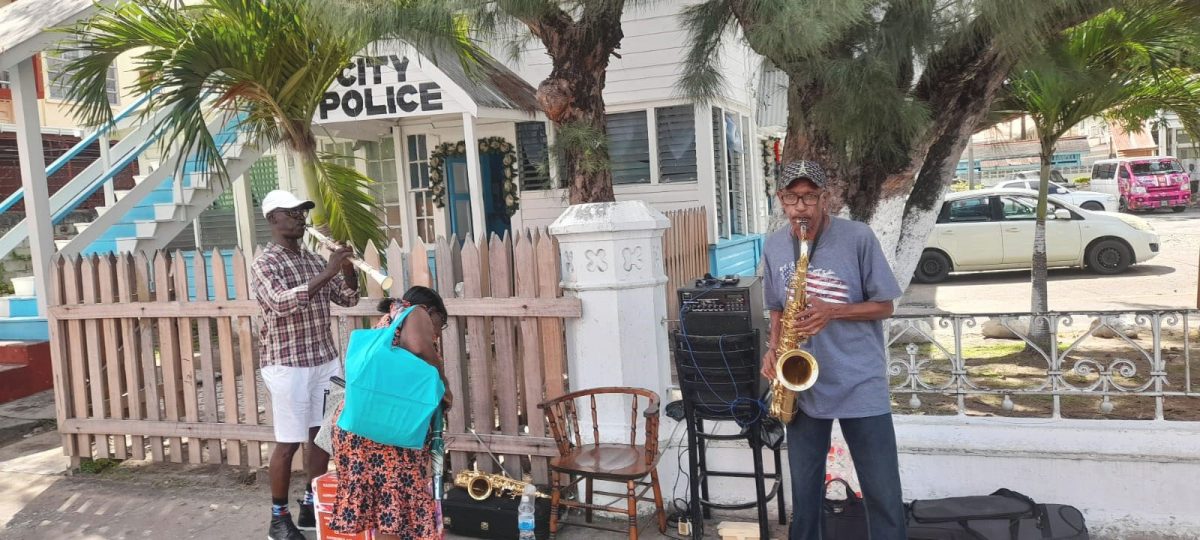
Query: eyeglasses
{"points": [[791, 199], [433, 313], [297, 213]]}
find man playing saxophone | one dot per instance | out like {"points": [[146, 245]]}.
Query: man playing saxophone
{"points": [[850, 289]]}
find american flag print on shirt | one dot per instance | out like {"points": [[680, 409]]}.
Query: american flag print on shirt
{"points": [[821, 283]]}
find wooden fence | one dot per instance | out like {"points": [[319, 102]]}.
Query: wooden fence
{"points": [[143, 367], [685, 253]]}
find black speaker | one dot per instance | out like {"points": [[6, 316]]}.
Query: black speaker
{"points": [[719, 307]]}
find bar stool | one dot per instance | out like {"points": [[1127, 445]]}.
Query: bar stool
{"points": [[719, 378]]}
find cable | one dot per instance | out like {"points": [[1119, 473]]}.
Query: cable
{"points": [[757, 407]]}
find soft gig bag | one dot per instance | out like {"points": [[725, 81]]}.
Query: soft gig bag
{"points": [[1003, 515], [391, 394]]}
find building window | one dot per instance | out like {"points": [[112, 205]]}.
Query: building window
{"points": [[532, 154], [341, 153], [735, 156], [676, 128], [57, 62], [4, 81], [381, 167], [418, 175], [721, 177], [629, 148]]}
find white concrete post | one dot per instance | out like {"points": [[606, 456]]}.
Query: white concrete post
{"points": [[474, 178], [33, 177], [612, 261]]}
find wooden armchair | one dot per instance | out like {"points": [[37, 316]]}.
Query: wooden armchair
{"points": [[629, 463]]}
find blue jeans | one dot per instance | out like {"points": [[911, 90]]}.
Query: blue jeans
{"points": [[872, 442]]}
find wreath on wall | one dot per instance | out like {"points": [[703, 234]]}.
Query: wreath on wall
{"points": [[487, 145], [768, 163]]}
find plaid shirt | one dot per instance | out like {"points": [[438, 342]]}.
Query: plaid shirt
{"points": [[295, 327]]}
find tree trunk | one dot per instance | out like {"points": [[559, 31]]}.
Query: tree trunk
{"points": [[573, 95], [1039, 328]]}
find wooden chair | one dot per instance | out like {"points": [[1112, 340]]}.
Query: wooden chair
{"points": [[629, 463]]}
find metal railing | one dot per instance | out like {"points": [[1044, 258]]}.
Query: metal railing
{"points": [[1104, 364]]}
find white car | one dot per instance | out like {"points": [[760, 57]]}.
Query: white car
{"points": [[993, 230], [1088, 200]]}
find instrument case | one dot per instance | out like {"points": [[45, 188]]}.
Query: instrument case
{"points": [[494, 517]]}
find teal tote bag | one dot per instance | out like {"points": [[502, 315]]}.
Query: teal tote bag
{"points": [[391, 394]]}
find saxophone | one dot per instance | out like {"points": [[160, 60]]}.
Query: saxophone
{"points": [[795, 369], [481, 485]]}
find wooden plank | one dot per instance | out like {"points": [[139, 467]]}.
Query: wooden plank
{"points": [[459, 307], [95, 348], [249, 402], [502, 444], [112, 353], [126, 282], [479, 357], [208, 379], [394, 258], [197, 430], [168, 353], [500, 267], [187, 354], [59, 334], [553, 345], [525, 268], [233, 447], [150, 378], [447, 257], [418, 261]]}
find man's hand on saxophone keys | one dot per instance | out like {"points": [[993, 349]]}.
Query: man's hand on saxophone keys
{"points": [[768, 363], [814, 318]]}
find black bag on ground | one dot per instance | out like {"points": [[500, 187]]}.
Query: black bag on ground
{"points": [[494, 517], [1003, 515], [844, 519]]}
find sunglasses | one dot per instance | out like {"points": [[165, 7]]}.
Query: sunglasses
{"points": [[296, 213]]}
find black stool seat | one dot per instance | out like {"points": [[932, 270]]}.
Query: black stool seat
{"points": [[720, 382]]}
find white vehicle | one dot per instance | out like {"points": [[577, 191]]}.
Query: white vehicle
{"points": [[1088, 200], [993, 230], [1144, 183]]}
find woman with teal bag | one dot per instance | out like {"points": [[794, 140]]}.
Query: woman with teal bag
{"points": [[385, 487]]}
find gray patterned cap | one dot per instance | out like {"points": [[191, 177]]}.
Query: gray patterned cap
{"points": [[796, 170]]}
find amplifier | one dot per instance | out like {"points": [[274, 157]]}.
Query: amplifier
{"points": [[718, 307]]}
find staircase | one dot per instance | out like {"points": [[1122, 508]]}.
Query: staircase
{"points": [[163, 201]]}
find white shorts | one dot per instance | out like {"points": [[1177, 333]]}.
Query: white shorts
{"points": [[298, 398]]}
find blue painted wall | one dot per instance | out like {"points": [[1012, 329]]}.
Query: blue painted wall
{"points": [[737, 256]]}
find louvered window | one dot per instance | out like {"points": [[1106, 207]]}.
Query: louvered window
{"points": [[676, 143], [534, 167], [629, 148]]}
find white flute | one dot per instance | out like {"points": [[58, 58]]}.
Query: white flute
{"points": [[384, 281]]}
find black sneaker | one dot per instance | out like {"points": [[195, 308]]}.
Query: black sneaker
{"points": [[282, 528], [307, 520]]}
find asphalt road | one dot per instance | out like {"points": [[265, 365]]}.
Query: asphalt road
{"points": [[1166, 281]]}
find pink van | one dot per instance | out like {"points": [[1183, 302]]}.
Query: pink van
{"points": [[1144, 183]]}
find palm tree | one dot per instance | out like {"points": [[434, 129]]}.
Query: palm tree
{"points": [[268, 61], [1128, 64]]}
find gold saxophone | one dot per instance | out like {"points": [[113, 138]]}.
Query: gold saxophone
{"points": [[795, 369], [481, 485]]}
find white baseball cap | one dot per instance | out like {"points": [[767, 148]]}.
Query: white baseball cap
{"points": [[283, 199]]}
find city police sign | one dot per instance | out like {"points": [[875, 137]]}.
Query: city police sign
{"points": [[379, 87]]}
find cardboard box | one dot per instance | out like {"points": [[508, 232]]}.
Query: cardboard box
{"points": [[324, 493], [737, 530]]}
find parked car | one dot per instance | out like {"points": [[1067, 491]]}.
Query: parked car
{"points": [[1145, 183], [993, 230], [1088, 200]]}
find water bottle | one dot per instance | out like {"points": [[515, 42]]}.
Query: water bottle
{"points": [[525, 513]]}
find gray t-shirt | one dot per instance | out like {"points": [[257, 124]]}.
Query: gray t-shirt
{"points": [[846, 266]]}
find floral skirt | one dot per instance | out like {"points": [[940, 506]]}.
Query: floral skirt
{"points": [[381, 487]]}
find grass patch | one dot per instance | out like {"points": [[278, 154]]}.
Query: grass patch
{"points": [[97, 466]]}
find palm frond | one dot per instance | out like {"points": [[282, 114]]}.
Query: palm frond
{"points": [[350, 211]]}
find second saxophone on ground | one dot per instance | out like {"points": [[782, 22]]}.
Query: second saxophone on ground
{"points": [[795, 369]]}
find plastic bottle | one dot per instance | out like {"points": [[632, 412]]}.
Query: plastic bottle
{"points": [[525, 513]]}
